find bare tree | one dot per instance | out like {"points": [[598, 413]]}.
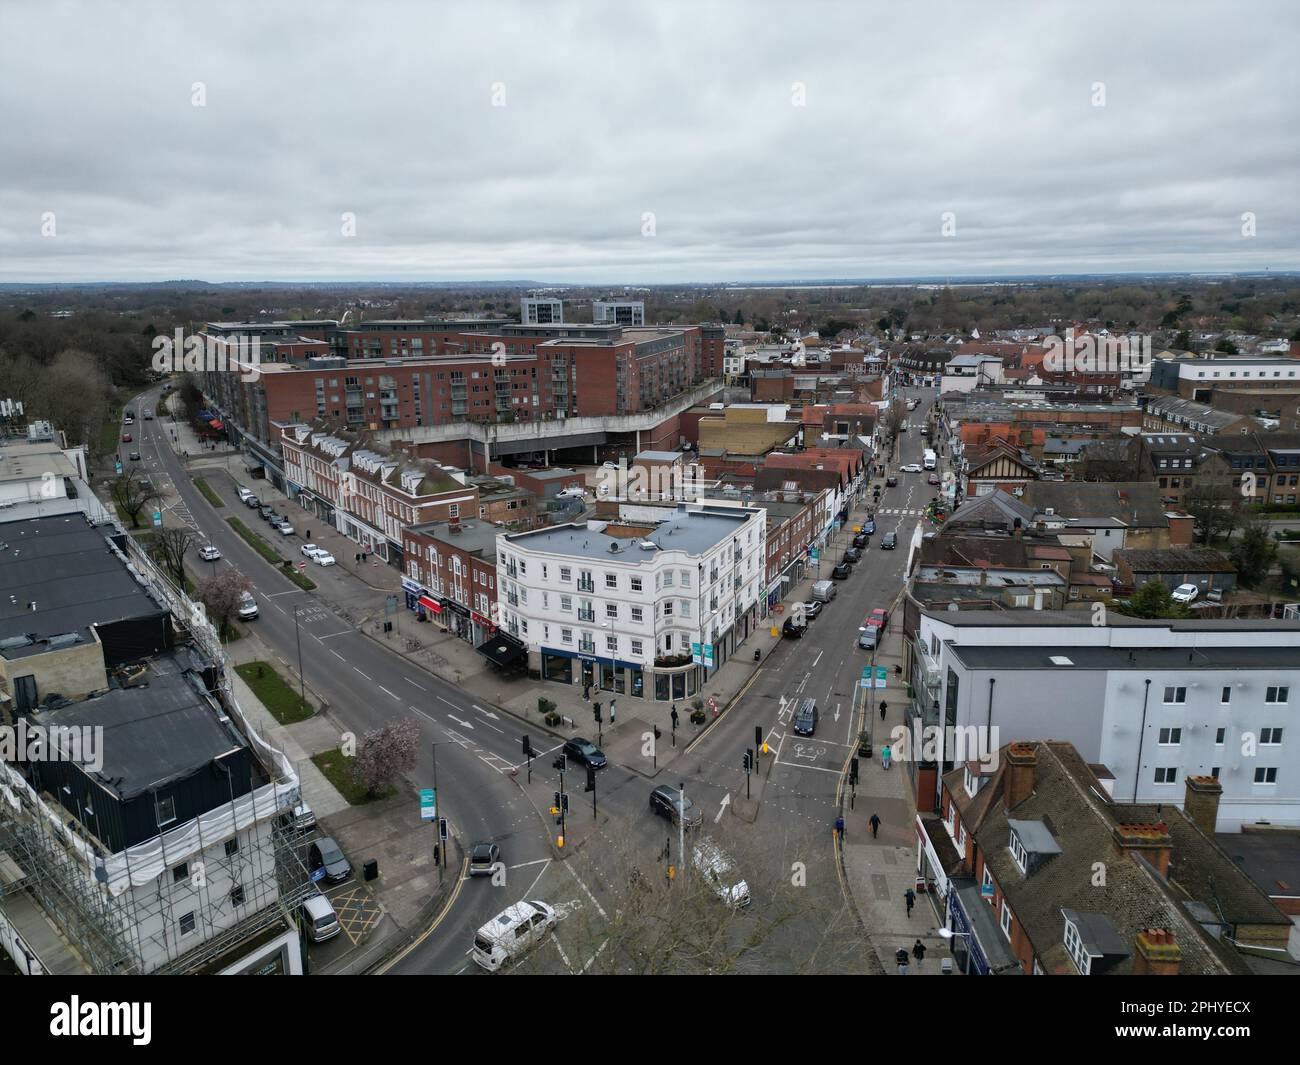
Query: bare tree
{"points": [[1213, 507], [170, 547], [386, 753], [221, 594], [133, 493]]}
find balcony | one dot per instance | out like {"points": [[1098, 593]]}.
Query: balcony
{"points": [[586, 584], [512, 599], [587, 648], [586, 615]]}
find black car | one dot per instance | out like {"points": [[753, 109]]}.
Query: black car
{"points": [[791, 630], [841, 572], [891, 481], [852, 555], [869, 527], [889, 542], [585, 752], [135, 456], [668, 802], [805, 719], [861, 540], [482, 858], [327, 855], [266, 513]]}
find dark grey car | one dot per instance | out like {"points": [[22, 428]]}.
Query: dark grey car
{"points": [[667, 802], [326, 854]]}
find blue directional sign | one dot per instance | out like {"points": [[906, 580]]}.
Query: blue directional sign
{"points": [[428, 805]]}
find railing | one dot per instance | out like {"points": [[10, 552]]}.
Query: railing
{"points": [[587, 648], [586, 584], [586, 615]]}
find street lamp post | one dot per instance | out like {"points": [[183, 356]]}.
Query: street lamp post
{"points": [[948, 933], [297, 636]]}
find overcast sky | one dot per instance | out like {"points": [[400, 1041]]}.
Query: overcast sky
{"points": [[645, 142]]}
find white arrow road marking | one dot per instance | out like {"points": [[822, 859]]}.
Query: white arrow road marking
{"points": [[485, 713], [463, 724], [837, 713], [726, 801]]}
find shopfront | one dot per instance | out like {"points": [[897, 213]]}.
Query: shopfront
{"points": [[618, 677]]}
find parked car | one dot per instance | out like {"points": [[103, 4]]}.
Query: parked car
{"points": [[303, 817], [889, 541], [609, 465], [265, 513], [878, 618], [585, 752], [891, 481], [135, 456], [805, 718], [512, 933], [244, 494], [911, 467], [841, 572], [571, 493], [327, 861], [284, 527], [868, 638], [812, 608], [823, 591], [482, 858], [861, 540], [853, 555], [251, 500], [323, 558], [320, 920], [933, 478], [719, 872], [309, 550], [126, 438], [792, 629], [209, 553], [869, 527], [1214, 595], [1184, 593], [247, 607], [666, 801]]}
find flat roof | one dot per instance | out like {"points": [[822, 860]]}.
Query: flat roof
{"points": [[24, 461], [65, 568], [470, 535], [1067, 657], [693, 531]]}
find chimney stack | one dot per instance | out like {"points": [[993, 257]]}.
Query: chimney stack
{"points": [[1022, 760], [1201, 802], [1152, 840], [1157, 953]]}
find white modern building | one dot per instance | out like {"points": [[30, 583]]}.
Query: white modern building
{"points": [[618, 312], [647, 609], [541, 310], [1155, 701], [40, 478]]}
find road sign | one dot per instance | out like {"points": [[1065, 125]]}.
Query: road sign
{"points": [[882, 675], [117, 466], [157, 517], [302, 565], [428, 804]]}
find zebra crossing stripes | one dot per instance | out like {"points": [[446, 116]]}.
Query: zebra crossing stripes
{"points": [[896, 510]]}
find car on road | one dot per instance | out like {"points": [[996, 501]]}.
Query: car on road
{"points": [[126, 438], [327, 861], [891, 481], [321, 921], [247, 607], [483, 857], [811, 609], [666, 801], [793, 630], [244, 494], [323, 558], [265, 513], [148, 415], [1184, 593], [869, 527], [878, 618], [841, 572], [889, 542], [933, 478], [571, 493], [868, 638], [861, 539], [805, 718], [284, 527], [719, 872], [209, 553], [609, 465], [852, 555], [512, 933], [310, 550], [135, 456], [911, 467], [585, 752]]}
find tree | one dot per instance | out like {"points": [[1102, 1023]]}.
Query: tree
{"points": [[1108, 460], [1183, 341], [170, 547], [1212, 505], [386, 753], [221, 594], [133, 493], [1153, 600], [1226, 346], [1253, 555]]}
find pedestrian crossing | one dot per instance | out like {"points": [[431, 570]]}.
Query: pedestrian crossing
{"points": [[900, 511]]}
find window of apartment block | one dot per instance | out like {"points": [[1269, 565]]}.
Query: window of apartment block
{"points": [[1276, 695], [611, 611], [166, 810], [180, 872], [611, 580], [1167, 775], [1006, 921], [636, 584], [237, 895], [1219, 736], [611, 643], [1018, 853], [232, 847], [1270, 736], [637, 613], [566, 636], [1171, 736], [187, 923], [1175, 695], [1225, 696], [668, 578], [566, 574], [1266, 775], [566, 603], [637, 647]]}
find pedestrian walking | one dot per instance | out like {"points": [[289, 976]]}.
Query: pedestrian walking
{"points": [[839, 827], [875, 825], [883, 707], [900, 956], [884, 757], [918, 952], [909, 896]]}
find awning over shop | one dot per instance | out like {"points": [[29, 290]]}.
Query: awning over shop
{"points": [[216, 424], [502, 651], [431, 605]]}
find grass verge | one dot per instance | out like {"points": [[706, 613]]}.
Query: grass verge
{"points": [[271, 554], [338, 771], [208, 493], [283, 702]]}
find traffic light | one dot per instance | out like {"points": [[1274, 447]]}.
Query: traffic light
{"points": [[657, 732], [442, 827], [591, 779], [853, 770], [564, 802], [758, 736], [528, 747], [595, 712], [745, 763], [559, 763]]}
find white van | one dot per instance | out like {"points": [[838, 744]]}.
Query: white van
{"points": [[929, 460], [247, 607], [321, 920], [512, 933], [823, 591]]}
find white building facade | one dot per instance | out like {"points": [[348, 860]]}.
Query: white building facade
{"points": [[1154, 701], [643, 610]]}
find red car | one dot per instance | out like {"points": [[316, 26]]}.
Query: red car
{"points": [[934, 478], [878, 618], [126, 438]]}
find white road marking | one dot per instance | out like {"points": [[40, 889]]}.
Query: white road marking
{"points": [[331, 635], [801, 765], [817, 659], [337, 655], [292, 591], [575, 876], [386, 691], [359, 671], [525, 865], [420, 686]]}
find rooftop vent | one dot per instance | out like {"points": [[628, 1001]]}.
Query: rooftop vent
{"points": [[1061, 660]]}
